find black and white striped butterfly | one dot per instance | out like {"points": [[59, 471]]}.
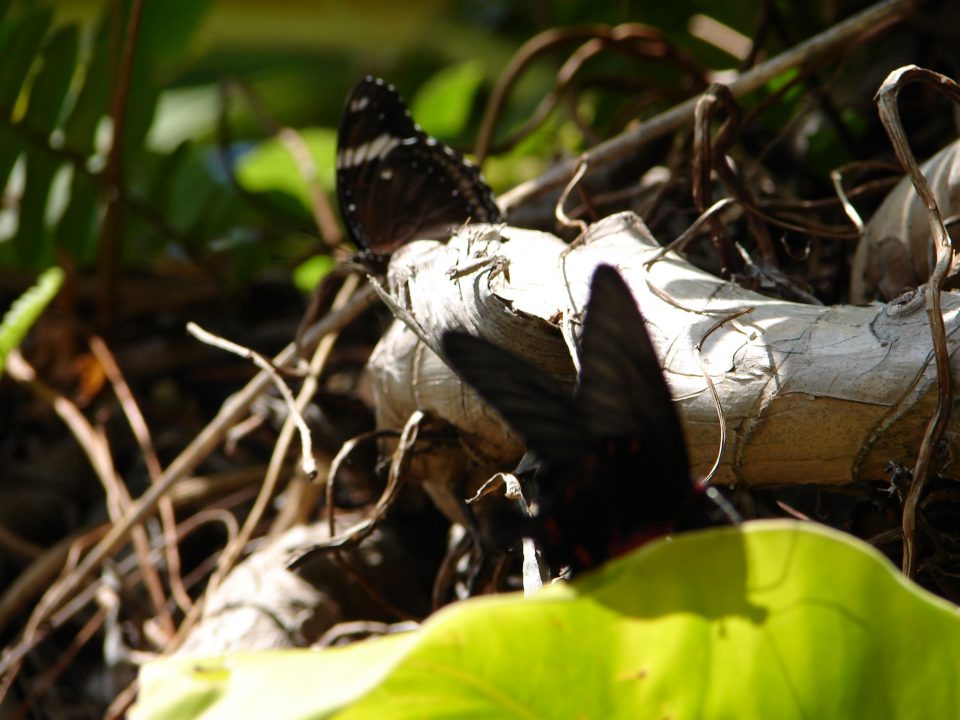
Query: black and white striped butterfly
{"points": [[395, 183]]}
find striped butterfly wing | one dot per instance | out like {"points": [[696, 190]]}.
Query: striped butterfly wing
{"points": [[395, 183]]}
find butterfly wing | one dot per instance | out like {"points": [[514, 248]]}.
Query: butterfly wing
{"points": [[540, 410], [640, 486], [396, 183], [612, 471], [622, 389], [535, 405]]}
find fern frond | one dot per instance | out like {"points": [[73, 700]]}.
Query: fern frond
{"points": [[25, 310]]}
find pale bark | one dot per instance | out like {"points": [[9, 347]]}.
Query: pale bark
{"points": [[809, 394], [896, 252]]}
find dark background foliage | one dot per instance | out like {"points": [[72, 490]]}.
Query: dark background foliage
{"points": [[201, 212]]}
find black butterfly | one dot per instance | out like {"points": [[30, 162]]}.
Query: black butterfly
{"points": [[396, 183], [610, 461]]}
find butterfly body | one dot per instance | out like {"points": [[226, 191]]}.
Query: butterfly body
{"points": [[609, 464], [395, 183]]}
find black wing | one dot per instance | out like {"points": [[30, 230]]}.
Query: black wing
{"points": [[541, 411], [622, 390], [396, 183]]}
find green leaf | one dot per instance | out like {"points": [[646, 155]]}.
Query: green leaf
{"points": [[232, 686], [25, 310], [308, 274], [190, 188], [32, 241], [20, 40], [776, 619], [49, 87], [444, 104], [19, 52], [10, 148], [48, 90], [76, 232], [270, 167], [91, 103], [165, 29]]}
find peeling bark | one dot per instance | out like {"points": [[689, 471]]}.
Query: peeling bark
{"points": [[896, 252], [809, 394]]}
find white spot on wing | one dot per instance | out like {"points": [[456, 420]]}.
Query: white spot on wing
{"points": [[376, 149], [381, 146], [359, 154]]}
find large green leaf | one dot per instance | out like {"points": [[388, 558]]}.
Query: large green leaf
{"points": [[776, 619]]}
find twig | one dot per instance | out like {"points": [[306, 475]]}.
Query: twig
{"points": [[122, 702], [712, 154], [558, 212], [625, 37], [444, 582], [310, 385], [345, 451], [398, 466], [323, 214], [29, 584], [687, 235], [141, 431], [697, 349], [233, 550], [97, 450], [308, 462], [836, 177], [841, 37], [531, 50], [66, 656], [191, 456], [37, 576], [17, 547], [111, 234], [887, 105], [531, 572], [343, 561]]}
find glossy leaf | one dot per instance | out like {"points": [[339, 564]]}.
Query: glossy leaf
{"points": [[775, 619]]}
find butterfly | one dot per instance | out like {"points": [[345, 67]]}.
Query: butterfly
{"points": [[396, 183], [609, 462]]}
